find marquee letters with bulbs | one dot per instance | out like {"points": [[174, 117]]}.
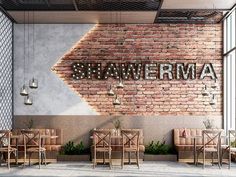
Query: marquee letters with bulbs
{"points": [[136, 71]]}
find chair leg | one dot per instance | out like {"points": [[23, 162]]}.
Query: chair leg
{"points": [[110, 162], [94, 159], [212, 158], [30, 158], [137, 158], [24, 158], [8, 159], [16, 157], [45, 158], [103, 157], [203, 166], [218, 157], [39, 159], [129, 157], [1, 158], [197, 159], [229, 160], [122, 161]]}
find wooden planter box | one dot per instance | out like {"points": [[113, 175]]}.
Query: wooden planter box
{"points": [[154, 157], [85, 157]]}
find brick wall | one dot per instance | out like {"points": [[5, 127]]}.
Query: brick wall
{"points": [[162, 43]]}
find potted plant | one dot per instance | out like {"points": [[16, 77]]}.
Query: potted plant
{"points": [[29, 124], [209, 123], [159, 151], [117, 123], [74, 152]]}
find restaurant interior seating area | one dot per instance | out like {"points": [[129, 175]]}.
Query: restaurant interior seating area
{"points": [[117, 88]]}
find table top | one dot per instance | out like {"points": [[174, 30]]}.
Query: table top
{"points": [[42, 136], [199, 136]]}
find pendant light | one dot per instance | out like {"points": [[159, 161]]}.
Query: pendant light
{"points": [[28, 100], [24, 89], [214, 85], [120, 84], [213, 99], [110, 91], [33, 83], [116, 101], [205, 91]]}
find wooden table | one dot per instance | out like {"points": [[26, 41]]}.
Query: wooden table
{"points": [[43, 137]]}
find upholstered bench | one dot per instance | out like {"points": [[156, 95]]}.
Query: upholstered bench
{"points": [[184, 143]]}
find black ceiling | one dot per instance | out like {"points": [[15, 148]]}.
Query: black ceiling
{"points": [[189, 16], [82, 5], [163, 16]]}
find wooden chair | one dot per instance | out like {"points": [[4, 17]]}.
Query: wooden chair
{"points": [[230, 147], [102, 144], [211, 144], [130, 144], [33, 144], [5, 146]]}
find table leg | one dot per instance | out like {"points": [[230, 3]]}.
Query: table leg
{"points": [[17, 151], [194, 151]]}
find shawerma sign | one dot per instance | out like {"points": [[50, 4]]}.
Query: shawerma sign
{"points": [[146, 71]]}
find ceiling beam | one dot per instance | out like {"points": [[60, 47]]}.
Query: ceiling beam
{"points": [[158, 10], [75, 5]]}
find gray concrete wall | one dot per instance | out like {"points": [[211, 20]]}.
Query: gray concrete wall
{"points": [[52, 97], [77, 128]]}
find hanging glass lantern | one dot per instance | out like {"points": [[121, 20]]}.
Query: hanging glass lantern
{"points": [[214, 85], [205, 91], [24, 91], [213, 100], [120, 84], [110, 91], [28, 100], [116, 101], [33, 83]]}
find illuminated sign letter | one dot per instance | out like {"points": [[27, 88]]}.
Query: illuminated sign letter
{"points": [[185, 72], [208, 71], [149, 71], [166, 69]]}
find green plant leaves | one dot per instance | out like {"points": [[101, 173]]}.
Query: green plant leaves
{"points": [[158, 148], [71, 148]]}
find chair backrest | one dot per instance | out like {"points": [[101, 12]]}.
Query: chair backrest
{"points": [[130, 138], [102, 138], [211, 138], [5, 136], [31, 137]]}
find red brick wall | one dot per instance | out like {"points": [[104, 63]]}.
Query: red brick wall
{"points": [[162, 43]]}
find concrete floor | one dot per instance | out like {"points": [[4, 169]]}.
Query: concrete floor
{"points": [[165, 169]]}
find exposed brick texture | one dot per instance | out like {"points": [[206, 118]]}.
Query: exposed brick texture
{"points": [[162, 43]]}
